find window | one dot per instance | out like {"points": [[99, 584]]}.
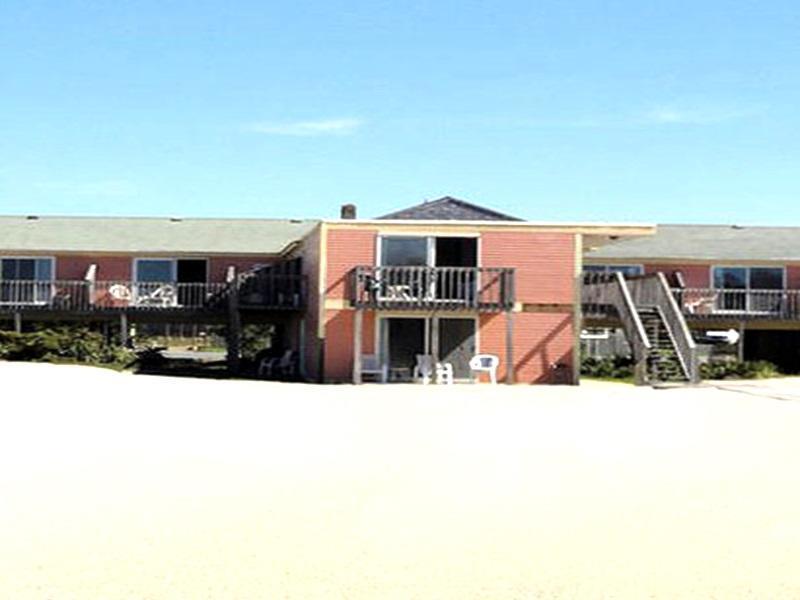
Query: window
{"points": [[626, 270], [155, 270], [743, 278], [766, 278], [26, 280], [26, 269], [748, 288], [404, 251]]}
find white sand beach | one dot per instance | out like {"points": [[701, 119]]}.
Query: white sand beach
{"points": [[115, 486]]}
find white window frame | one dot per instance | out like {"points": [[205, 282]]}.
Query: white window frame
{"points": [[747, 268], [430, 260], [431, 332], [51, 279], [748, 297]]}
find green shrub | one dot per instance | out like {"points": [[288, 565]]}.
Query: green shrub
{"points": [[62, 344], [752, 369], [613, 367]]}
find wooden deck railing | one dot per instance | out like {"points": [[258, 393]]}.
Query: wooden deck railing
{"points": [[259, 289], [719, 304], [432, 288], [88, 296]]}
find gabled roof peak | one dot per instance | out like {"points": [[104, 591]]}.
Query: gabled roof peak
{"points": [[448, 208]]}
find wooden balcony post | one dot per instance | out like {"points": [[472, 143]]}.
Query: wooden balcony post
{"points": [[234, 340], [123, 329], [509, 347], [358, 330], [18, 322]]}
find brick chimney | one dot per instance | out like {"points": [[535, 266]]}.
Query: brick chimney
{"points": [[348, 211]]}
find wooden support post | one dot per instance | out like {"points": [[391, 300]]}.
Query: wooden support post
{"points": [[358, 332], [509, 347], [18, 322], [234, 327], [123, 329], [740, 349]]}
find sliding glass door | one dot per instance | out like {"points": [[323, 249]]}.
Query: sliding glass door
{"points": [[446, 339], [26, 280]]}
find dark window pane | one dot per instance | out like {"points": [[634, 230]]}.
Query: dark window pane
{"points": [[627, 270], [766, 278], [9, 268], [26, 269], [154, 270], [730, 278], [404, 251]]}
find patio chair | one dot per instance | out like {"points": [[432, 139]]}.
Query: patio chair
{"points": [[424, 369], [371, 366], [485, 363], [700, 305], [269, 368], [444, 373], [164, 296]]}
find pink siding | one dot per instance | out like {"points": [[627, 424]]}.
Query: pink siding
{"points": [[339, 342], [346, 249], [696, 276], [110, 268], [541, 340], [545, 263], [793, 277]]}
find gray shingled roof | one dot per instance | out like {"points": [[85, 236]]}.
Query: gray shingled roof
{"points": [[449, 209], [156, 235], [707, 242]]}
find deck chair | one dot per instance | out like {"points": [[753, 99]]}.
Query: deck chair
{"points": [[372, 367], [270, 368], [424, 369], [485, 363]]}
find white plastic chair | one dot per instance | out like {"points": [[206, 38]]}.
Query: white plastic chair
{"points": [[485, 363], [444, 373], [424, 369], [371, 365]]}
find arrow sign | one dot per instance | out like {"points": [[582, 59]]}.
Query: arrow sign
{"points": [[730, 337]]}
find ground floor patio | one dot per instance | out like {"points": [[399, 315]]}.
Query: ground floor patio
{"points": [[122, 486]]}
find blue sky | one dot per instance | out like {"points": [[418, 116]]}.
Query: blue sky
{"points": [[624, 111]]}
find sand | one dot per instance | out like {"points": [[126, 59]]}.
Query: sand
{"points": [[121, 486]]}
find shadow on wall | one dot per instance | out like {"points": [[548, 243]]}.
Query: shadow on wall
{"points": [[538, 361]]}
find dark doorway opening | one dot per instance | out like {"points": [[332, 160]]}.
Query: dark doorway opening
{"points": [[782, 348], [460, 282], [192, 275], [456, 252], [457, 345], [404, 339]]}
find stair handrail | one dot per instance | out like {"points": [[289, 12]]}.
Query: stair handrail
{"points": [[633, 327], [653, 290]]}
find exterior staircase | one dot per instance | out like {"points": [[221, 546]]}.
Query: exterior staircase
{"points": [[663, 363], [662, 346]]}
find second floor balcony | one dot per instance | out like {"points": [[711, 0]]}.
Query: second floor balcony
{"points": [[748, 304], [432, 288], [267, 292], [701, 304]]}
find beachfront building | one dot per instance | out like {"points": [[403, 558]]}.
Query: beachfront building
{"points": [[445, 279], [734, 282]]}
